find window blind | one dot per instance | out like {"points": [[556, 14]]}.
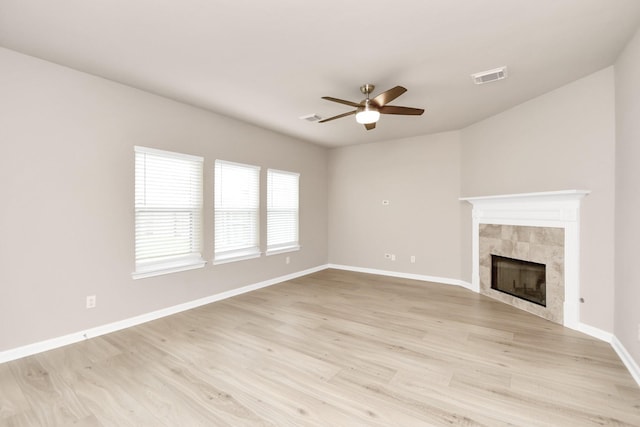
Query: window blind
{"points": [[168, 210], [236, 210], [282, 210]]}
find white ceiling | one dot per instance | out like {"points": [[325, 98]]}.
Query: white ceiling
{"points": [[270, 62]]}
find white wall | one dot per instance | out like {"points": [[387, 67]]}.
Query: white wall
{"points": [[562, 140], [627, 292], [67, 173], [421, 179]]}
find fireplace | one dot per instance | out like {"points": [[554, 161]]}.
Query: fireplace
{"points": [[522, 279], [541, 228]]}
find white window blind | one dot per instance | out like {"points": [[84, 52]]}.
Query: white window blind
{"points": [[282, 211], [237, 211], [168, 211]]}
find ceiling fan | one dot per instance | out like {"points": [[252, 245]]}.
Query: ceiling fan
{"points": [[368, 110]]}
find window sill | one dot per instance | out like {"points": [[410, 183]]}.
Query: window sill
{"points": [[234, 258], [277, 251], [167, 268]]}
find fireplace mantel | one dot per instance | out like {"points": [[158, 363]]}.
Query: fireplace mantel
{"points": [[544, 195], [534, 208], [544, 209]]}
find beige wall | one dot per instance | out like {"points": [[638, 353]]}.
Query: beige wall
{"points": [[562, 140], [66, 167], [627, 292], [421, 179]]}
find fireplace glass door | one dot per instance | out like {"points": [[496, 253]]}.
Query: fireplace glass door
{"points": [[519, 278]]}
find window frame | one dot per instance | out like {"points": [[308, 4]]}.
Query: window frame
{"points": [[291, 245], [147, 265], [248, 249]]}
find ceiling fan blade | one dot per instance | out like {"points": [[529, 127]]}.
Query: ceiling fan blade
{"points": [[388, 96], [339, 116], [341, 101], [392, 109], [370, 126]]}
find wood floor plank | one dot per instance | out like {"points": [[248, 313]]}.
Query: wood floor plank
{"points": [[52, 401], [107, 389], [333, 348], [12, 400]]}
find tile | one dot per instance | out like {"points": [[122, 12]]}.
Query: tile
{"points": [[543, 245]]}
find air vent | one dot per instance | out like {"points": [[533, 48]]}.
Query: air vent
{"points": [[489, 76], [311, 118]]}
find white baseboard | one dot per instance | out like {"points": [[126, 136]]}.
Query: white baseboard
{"points": [[443, 280], [50, 344], [592, 331], [626, 358]]}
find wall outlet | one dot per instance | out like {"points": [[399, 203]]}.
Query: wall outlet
{"points": [[287, 260], [393, 257], [91, 301], [413, 259]]}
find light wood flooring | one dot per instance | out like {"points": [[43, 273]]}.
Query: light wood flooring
{"points": [[333, 348]]}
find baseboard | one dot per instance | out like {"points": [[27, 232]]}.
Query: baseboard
{"points": [[626, 358], [50, 344], [592, 331], [443, 280]]}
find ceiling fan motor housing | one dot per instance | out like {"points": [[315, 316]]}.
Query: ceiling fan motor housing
{"points": [[367, 89]]}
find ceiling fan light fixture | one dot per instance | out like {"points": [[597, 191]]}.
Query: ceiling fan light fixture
{"points": [[367, 115], [368, 111]]}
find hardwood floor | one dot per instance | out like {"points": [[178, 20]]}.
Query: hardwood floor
{"points": [[333, 348]]}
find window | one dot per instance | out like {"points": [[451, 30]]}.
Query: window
{"points": [[168, 212], [237, 208], [282, 211]]}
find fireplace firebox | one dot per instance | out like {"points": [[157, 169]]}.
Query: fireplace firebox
{"points": [[519, 278]]}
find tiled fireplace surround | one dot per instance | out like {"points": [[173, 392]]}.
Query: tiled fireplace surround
{"points": [[537, 227], [542, 245]]}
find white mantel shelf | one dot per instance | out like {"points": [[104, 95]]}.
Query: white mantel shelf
{"points": [[544, 209], [523, 197]]}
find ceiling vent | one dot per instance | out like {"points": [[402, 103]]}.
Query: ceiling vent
{"points": [[311, 118], [489, 76]]}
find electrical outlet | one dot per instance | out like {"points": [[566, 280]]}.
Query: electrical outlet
{"points": [[393, 257], [287, 260], [413, 259], [91, 301]]}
